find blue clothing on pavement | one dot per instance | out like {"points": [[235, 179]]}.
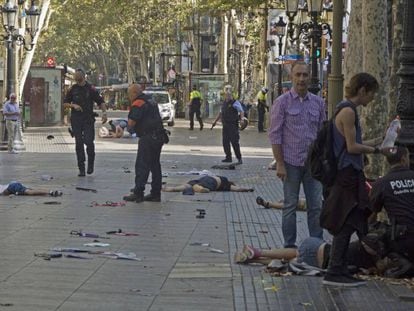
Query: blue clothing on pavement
{"points": [[16, 188], [313, 192]]}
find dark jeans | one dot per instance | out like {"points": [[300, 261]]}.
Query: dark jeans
{"points": [[148, 160], [84, 131], [195, 110], [340, 243], [231, 136], [261, 111]]}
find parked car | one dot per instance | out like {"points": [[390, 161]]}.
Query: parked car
{"points": [[166, 105]]}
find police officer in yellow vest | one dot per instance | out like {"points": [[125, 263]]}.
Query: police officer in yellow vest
{"points": [[195, 106], [261, 109]]}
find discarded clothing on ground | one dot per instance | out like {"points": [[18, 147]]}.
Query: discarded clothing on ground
{"points": [[278, 267]]}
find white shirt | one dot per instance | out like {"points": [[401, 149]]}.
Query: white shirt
{"points": [[2, 188]]}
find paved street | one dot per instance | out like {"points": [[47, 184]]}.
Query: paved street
{"points": [[171, 273]]}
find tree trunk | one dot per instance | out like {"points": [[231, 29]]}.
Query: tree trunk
{"points": [[354, 48], [375, 62]]}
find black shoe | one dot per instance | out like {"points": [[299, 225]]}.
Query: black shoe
{"points": [[262, 202], [227, 160], [190, 129], [342, 281], [70, 131], [138, 198], [201, 126], [239, 161], [262, 131], [81, 172], [152, 198], [90, 168]]}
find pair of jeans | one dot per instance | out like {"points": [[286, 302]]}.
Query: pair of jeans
{"points": [[295, 175], [148, 160]]}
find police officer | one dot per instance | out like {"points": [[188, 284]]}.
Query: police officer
{"points": [[80, 99], [195, 106], [145, 118], [230, 114], [395, 193], [261, 109]]}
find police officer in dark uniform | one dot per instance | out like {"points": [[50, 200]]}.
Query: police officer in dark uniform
{"points": [[145, 118], [395, 192], [230, 114], [80, 99]]}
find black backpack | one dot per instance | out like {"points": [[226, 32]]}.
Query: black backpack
{"points": [[321, 156]]}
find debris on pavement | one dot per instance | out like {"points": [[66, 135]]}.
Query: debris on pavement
{"points": [[50, 137], [96, 244], [46, 177], [77, 256], [87, 235], [216, 250], [117, 255], [48, 256], [108, 203], [69, 250], [86, 189], [200, 244], [52, 202], [121, 233]]}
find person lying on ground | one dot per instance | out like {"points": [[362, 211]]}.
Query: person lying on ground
{"points": [[315, 252], [206, 184], [19, 189], [279, 205], [119, 128]]}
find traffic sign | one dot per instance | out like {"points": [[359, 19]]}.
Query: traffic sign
{"points": [[51, 62]]}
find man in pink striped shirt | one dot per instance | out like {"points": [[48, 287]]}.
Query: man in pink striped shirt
{"points": [[295, 119]]}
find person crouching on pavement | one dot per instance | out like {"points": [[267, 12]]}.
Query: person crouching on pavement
{"points": [[144, 118], [395, 193], [230, 114]]}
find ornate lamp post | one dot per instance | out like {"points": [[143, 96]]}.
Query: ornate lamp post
{"points": [[310, 31], [280, 31], [13, 35], [405, 103]]}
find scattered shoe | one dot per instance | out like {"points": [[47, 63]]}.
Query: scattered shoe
{"points": [[262, 202], [152, 198], [55, 193], [251, 252], [241, 257], [226, 160], [342, 281], [134, 198]]}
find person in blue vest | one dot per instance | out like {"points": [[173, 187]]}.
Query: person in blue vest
{"points": [[195, 108], [230, 114]]}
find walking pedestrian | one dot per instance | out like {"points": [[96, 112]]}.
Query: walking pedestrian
{"points": [[230, 114], [145, 118], [296, 117], [261, 109], [80, 98], [11, 112], [195, 108], [346, 207]]}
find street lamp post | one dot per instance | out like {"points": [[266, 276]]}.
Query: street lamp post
{"points": [[279, 31], [312, 30], [14, 37]]}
